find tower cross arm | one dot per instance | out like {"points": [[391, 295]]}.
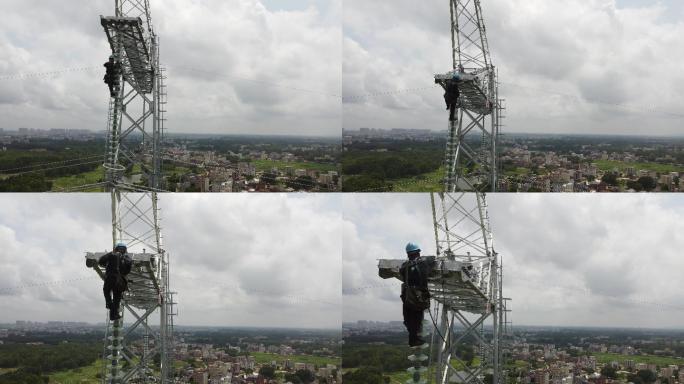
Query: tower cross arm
{"points": [[443, 268]]}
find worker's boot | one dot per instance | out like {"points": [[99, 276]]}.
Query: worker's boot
{"points": [[114, 315]]}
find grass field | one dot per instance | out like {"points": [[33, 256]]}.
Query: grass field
{"points": [[609, 165], [83, 375], [427, 182], [518, 171], [65, 182], [265, 358], [660, 361], [265, 165], [7, 370]]}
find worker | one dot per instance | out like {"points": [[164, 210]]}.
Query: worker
{"points": [[414, 291], [112, 74], [117, 265], [451, 95]]}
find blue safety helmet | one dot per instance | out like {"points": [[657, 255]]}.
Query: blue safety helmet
{"points": [[412, 247], [120, 245]]}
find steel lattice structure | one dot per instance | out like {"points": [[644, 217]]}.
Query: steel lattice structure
{"points": [[134, 134], [136, 115], [471, 165], [466, 288]]}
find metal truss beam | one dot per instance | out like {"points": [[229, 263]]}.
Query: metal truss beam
{"points": [[471, 164]]}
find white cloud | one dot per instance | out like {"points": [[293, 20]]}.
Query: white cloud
{"points": [[568, 259], [266, 260], [563, 64], [260, 66]]}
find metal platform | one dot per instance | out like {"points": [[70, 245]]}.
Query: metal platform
{"points": [[472, 92], [144, 290], [452, 283], [136, 62]]}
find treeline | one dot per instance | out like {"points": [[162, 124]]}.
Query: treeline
{"points": [[22, 377], [387, 358], [48, 358], [369, 170], [54, 338], [65, 157], [370, 358], [34, 362], [391, 165]]}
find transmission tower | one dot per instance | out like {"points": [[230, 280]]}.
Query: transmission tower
{"points": [[134, 134], [471, 160], [466, 289]]}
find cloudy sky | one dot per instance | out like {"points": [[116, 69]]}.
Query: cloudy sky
{"points": [[566, 66], [257, 260], [568, 259], [234, 66]]}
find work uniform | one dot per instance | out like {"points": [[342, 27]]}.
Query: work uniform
{"points": [[113, 68], [451, 94], [117, 265], [414, 273]]}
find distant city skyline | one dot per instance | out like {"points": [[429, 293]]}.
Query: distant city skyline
{"points": [[179, 133]]}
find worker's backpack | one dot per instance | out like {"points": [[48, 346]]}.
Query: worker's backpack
{"points": [[123, 267], [415, 297], [126, 264]]}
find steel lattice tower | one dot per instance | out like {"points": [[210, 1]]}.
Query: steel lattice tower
{"points": [[134, 132], [471, 165], [466, 289]]}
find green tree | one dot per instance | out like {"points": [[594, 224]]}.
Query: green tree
{"points": [[610, 178], [635, 185], [365, 375], [647, 376], [647, 183], [609, 372], [269, 178], [305, 376], [365, 183], [293, 378], [267, 371]]}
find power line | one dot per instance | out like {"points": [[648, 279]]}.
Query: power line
{"points": [[53, 168], [270, 83], [47, 283], [387, 93], [22, 76], [648, 108], [50, 163]]}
